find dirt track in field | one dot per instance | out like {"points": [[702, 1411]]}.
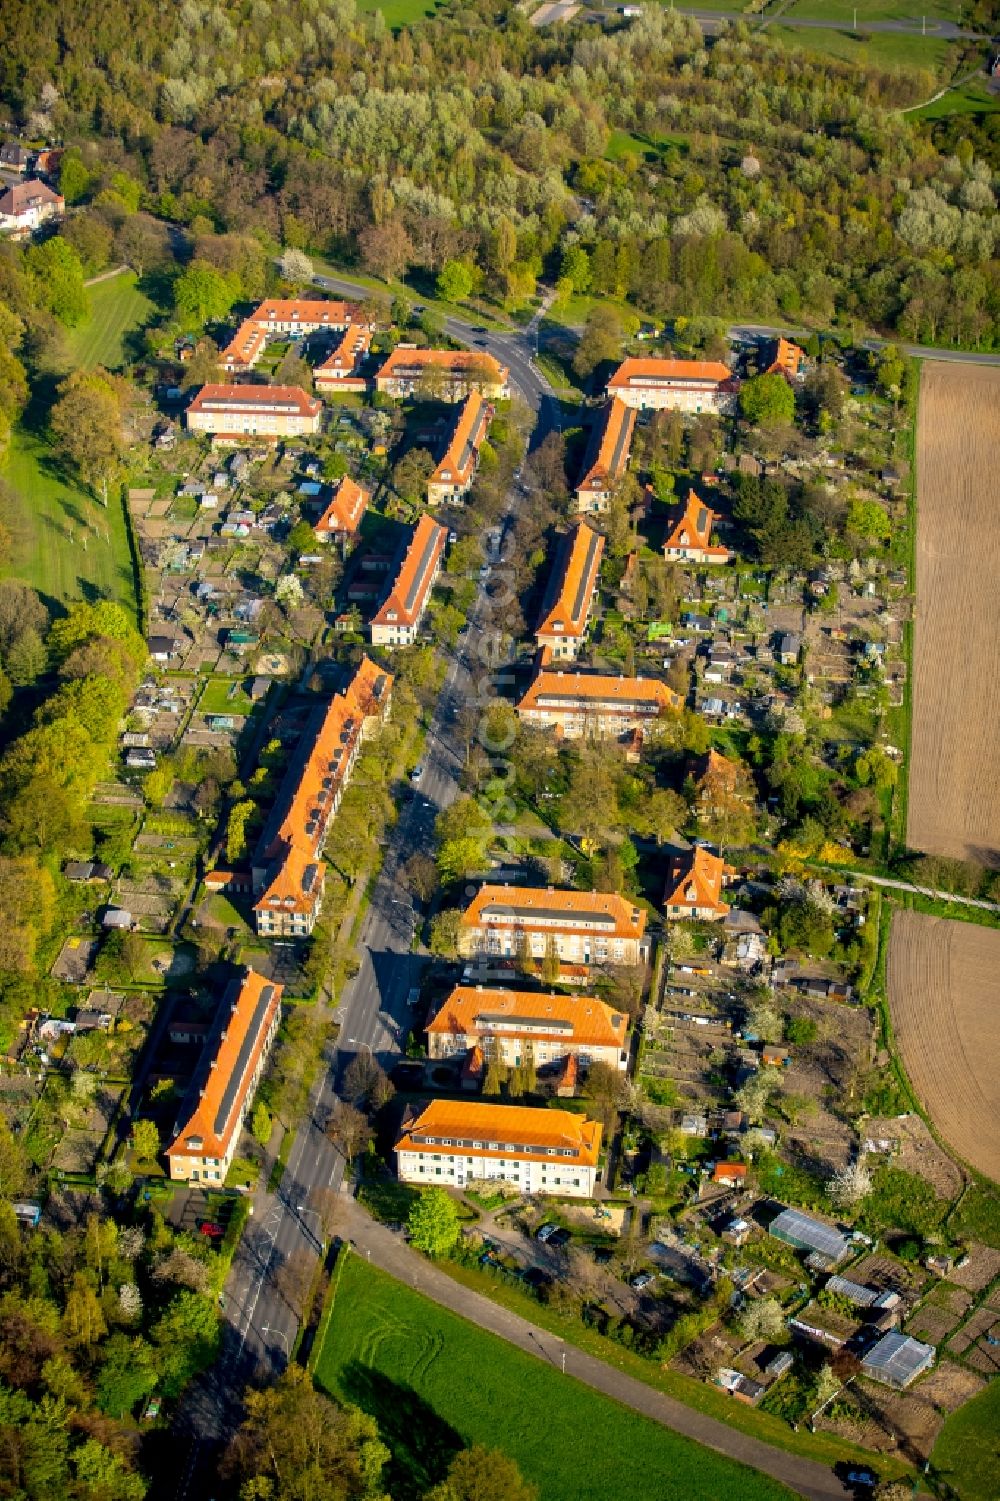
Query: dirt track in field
{"points": [[943, 982], [954, 784]]}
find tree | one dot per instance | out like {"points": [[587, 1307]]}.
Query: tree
{"points": [[445, 929], [827, 1385], [456, 280], [767, 400], [55, 273], [386, 249], [479, 1474], [203, 294], [868, 521], [349, 1130], [410, 475], [763, 1318], [600, 340], [145, 1140], [186, 1338], [366, 1082], [296, 267], [433, 1223], [237, 841], [126, 1374], [850, 1184], [261, 1123], [87, 425], [25, 658]]}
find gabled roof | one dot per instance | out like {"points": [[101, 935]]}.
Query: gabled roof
{"points": [[572, 582], [554, 689], [354, 342], [408, 595], [347, 506], [221, 398], [473, 1127], [471, 1010], [637, 372], [609, 447], [694, 879], [546, 908], [458, 461], [786, 358], [719, 771], [24, 195], [407, 362], [306, 313], [229, 1060], [694, 529]]}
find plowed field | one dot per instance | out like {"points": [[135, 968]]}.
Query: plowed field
{"points": [[954, 789], [944, 995]]}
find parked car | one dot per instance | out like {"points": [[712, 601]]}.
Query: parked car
{"points": [[642, 1280], [417, 772], [208, 1227], [545, 1232]]}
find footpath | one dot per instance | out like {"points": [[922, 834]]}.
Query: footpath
{"points": [[386, 1250]]}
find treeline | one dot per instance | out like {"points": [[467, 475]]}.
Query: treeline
{"points": [[725, 178]]}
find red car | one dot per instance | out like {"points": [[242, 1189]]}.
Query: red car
{"points": [[208, 1228]]}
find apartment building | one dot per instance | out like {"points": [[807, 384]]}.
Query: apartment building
{"points": [[446, 374], [513, 1025], [287, 876], [676, 385], [695, 881], [233, 1058], [452, 1143], [341, 370], [608, 453], [595, 705], [282, 318], [786, 359], [456, 469], [580, 927], [690, 538], [232, 413], [570, 593], [398, 619], [342, 516]]}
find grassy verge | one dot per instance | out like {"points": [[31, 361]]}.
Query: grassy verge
{"points": [[874, 49], [436, 1382], [966, 1457], [397, 13], [970, 98], [117, 309]]}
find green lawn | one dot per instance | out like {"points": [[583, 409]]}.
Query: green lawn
{"points": [[621, 142], [64, 542], [223, 696], [116, 307], [435, 1382], [401, 12], [844, 11], [880, 49], [967, 1453], [972, 98]]}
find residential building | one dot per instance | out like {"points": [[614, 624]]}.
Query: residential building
{"points": [[789, 648], [570, 593], [695, 880], [342, 516], [897, 1359], [398, 619], [607, 457], [284, 317], [595, 705], [233, 1058], [720, 781], [806, 1233], [690, 538], [786, 360], [447, 374], [456, 469], [26, 206], [288, 876], [452, 1143], [513, 1025], [340, 371], [232, 413], [580, 927], [729, 1174], [15, 157], [678, 385]]}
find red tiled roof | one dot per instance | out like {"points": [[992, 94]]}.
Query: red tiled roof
{"points": [[551, 688], [246, 1012], [308, 314], [516, 1129], [572, 583], [786, 359], [532, 907], [347, 506], [695, 879], [458, 461], [23, 195], [407, 362], [581, 1020], [609, 447], [694, 529], [354, 344], [637, 372], [221, 398], [408, 595]]}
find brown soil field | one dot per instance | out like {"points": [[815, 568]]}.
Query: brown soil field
{"points": [[943, 981], [954, 793]]}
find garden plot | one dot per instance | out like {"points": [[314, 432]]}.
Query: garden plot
{"points": [[942, 1313], [981, 1266], [74, 960], [910, 1421], [978, 1340], [914, 1149], [81, 1129]]}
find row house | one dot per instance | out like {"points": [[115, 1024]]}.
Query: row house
{"points": [[674, 385], [570, 593], [341, 370], [579, 927], [456, 469], [446, 374], [695, 880], [398, 618], [595, 705], [232, 413], [690, 537], [453, 1143], [284, 318], [233, 1059], [288, 876], [607, 457], [26, 206], [515, 1025], [342, 517]]}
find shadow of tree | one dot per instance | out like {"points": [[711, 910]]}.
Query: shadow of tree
{"points": [[422, 1443]]}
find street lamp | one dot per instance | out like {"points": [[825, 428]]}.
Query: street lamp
{"points": [[304, 1209]]}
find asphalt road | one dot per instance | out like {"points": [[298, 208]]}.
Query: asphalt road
{"points": [[915, 26]]}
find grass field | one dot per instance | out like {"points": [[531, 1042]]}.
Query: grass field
{"points": [[435, 1382], [880, 50], [399, 13], [843, 11], [971, 98], [116, 308], [621, 142], [64, 542], [967, 1454]]}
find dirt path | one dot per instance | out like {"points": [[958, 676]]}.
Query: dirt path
{"points": [[392, 1255], [105, 276]]}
